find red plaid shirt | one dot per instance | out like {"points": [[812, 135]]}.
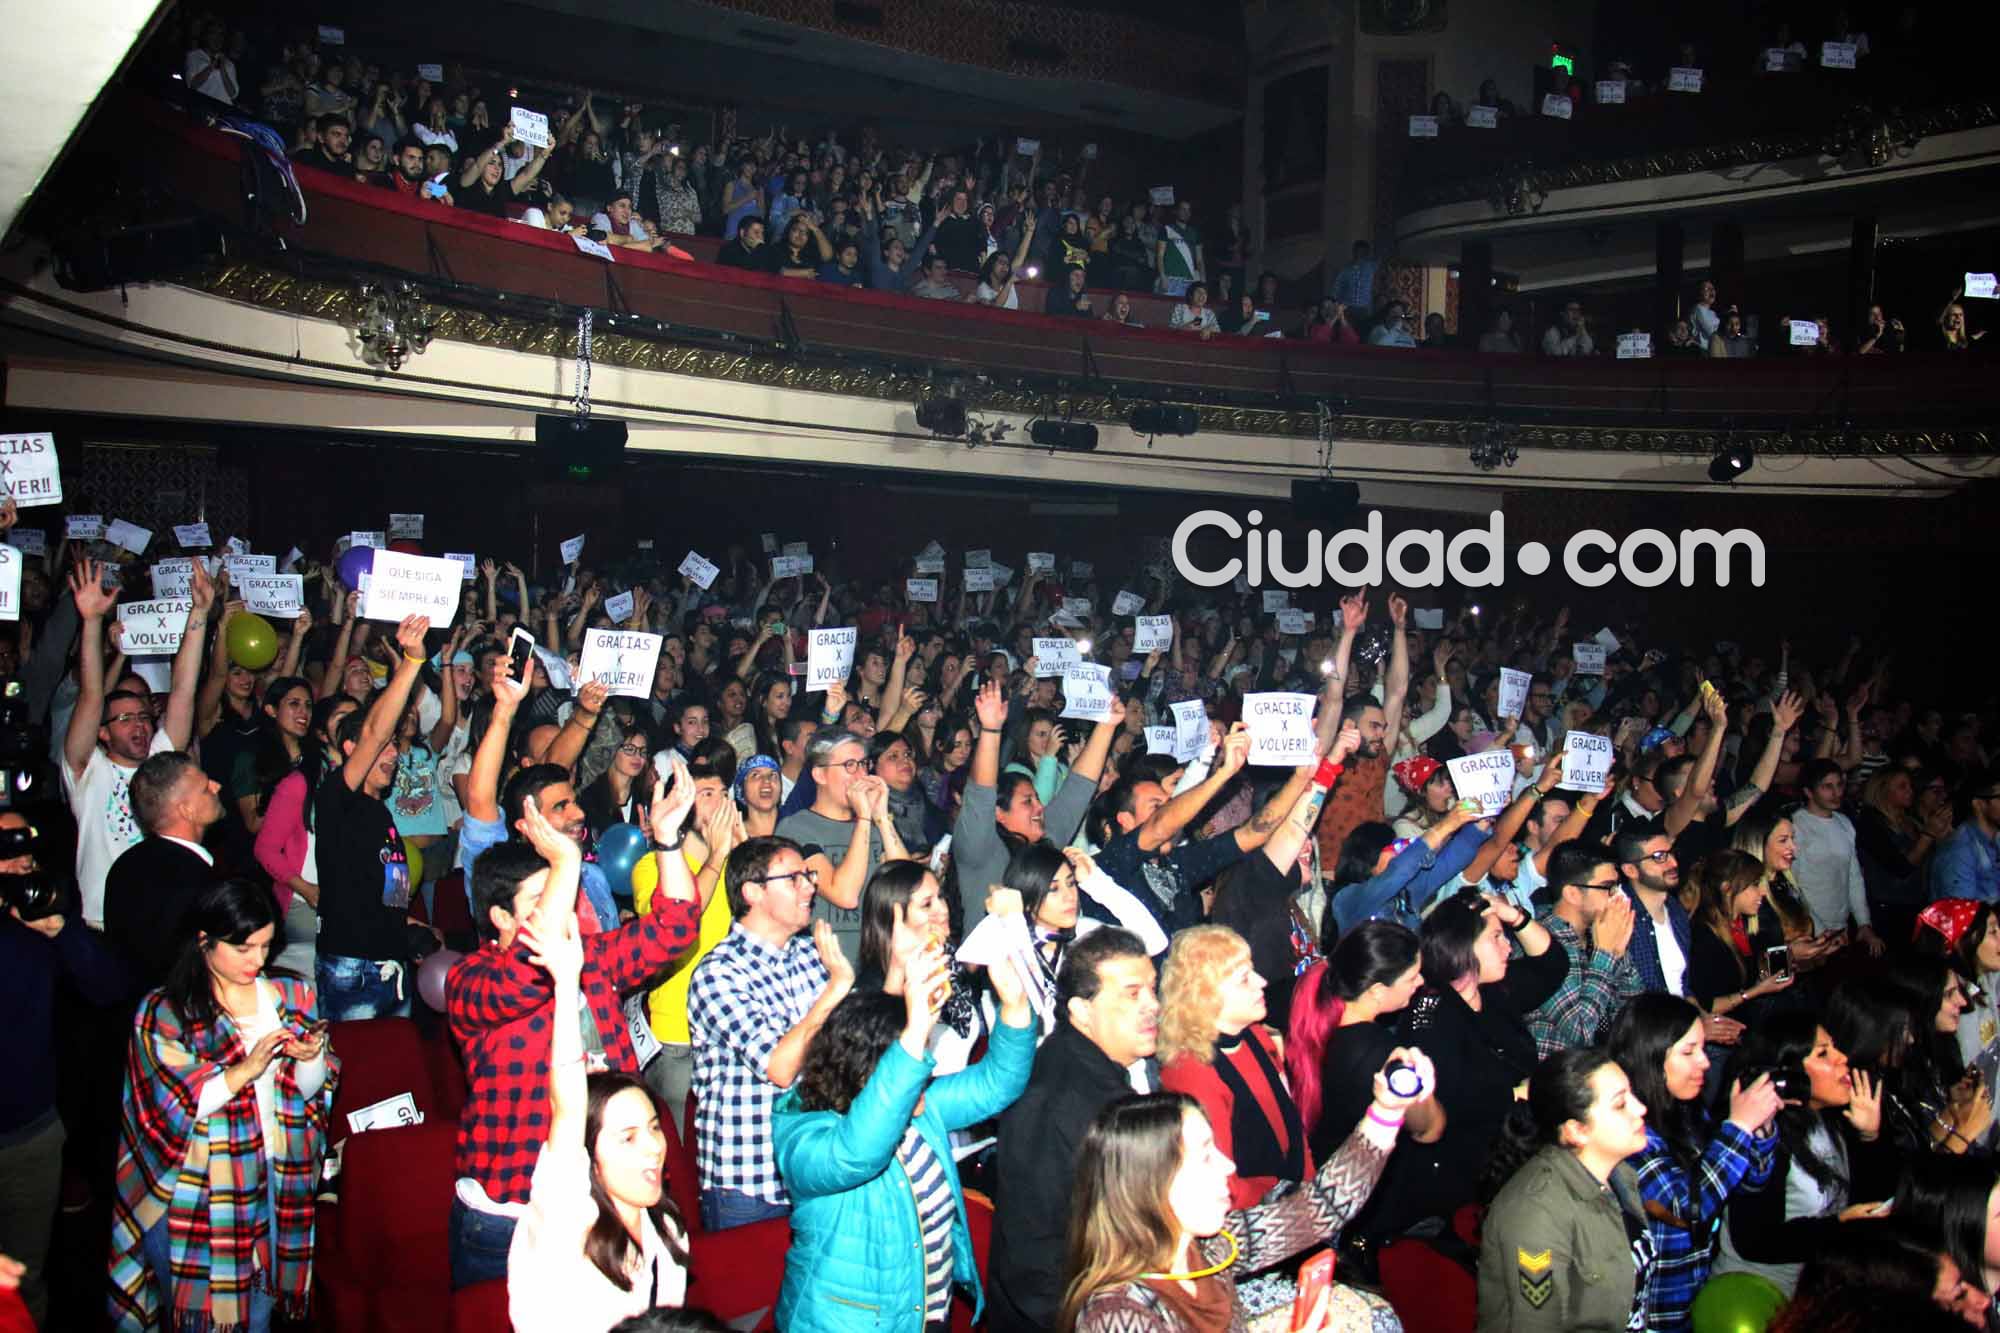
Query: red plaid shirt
{"points": [[499, 1005]]}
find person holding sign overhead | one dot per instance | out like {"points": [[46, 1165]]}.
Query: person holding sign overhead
{"points": [[110, 735]]}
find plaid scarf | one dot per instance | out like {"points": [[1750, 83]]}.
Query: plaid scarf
{"points": [[208, 1179]]}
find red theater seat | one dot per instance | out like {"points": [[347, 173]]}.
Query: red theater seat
{"points": [[386, 1266], [379, 1058]]}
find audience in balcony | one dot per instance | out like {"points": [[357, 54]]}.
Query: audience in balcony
{"points": [[333, 149], [1882, 334], [1958, 336], [1120, 312], [936, 285], [1177, 255], [740, 199], [1070, 298], [1731, 341], [1393, 328], [742, 251], [1703, 322], [432, 129], [1328, 323], [1499, 336], [801, 250], [1354, 285], [1247, 321], [1436, 337], [1193, 314], [1681, 341], [1570, 334], [483, 187], [555, 214], [996, 279], [845, 269]]}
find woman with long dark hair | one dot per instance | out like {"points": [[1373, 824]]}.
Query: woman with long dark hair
{"points": [[1901, 1027], [1725, 967], [228, 1087], [1049, 882], [1875, 1275], [1154, 1245], [1952, 1205], [1831, 1164], [286, 846], [902, 909], [1686, 1173], [1553, 1250], [622, 792], [1966, 934], [600, 1239], [862, 1143]]}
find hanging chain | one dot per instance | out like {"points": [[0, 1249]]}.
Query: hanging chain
{"points": [[583, 367]]}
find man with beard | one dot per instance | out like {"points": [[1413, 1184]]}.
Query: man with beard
{"points": [[1358, 797], [332, 152], [406, 169], [1661, 935]]}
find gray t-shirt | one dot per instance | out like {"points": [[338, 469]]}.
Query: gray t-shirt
{"points": [[980, 853], [817, 833]]}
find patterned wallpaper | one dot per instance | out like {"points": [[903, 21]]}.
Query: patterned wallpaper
{"points": [[1110, 48]]}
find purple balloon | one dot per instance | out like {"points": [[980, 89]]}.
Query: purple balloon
{"points": [[431, 976], [354, 562]]}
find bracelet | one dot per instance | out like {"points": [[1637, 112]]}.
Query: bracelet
{"points": [[418, 658], [673, 846], [1392, 1122]]}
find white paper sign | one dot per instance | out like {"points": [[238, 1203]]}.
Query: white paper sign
{"points": [[1980, 285], [639, 1027], [1153, 634], [1077, 608], [1292, 621], [1837, 55], [412, 585], [591, 246], [30, 541], [1487, 778], [173, 577], [1683, 79], [790, 566], [557, 668], [530, 127], [700, 569], [389, 1113], [1611, 92], [829, 657], [797, 548], [374, 539], [979, 580], [1586, 761], [1513, 692], [243, 566], [467, 561], [1162, 195], [770, 541], [128, 536], [619, 608], [933, 550], [1041, 562], [273, 594], [1127, 603], [978, 559], [332, 36], [1053, 655], [12, 562], [192, 536], [1281, 728], [1589, 659], [1482, 117], [1160, 740], [929, 564], [154, 627], [1774, 60], [1804, 332], [921, 590], [1027, 147], [407, 525], [1423, 127], [83, 527], [28, 469], [431, 73], [1635, 346], [237, 546], [620, 660], [1608, 638], [1190, 729], [1090, 152], [572, 550], [1557, 105], [1087, 692]]}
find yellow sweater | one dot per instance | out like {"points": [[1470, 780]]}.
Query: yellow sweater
{"points": [[667, 1004]]}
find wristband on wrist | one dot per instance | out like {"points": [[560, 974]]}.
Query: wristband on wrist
{"points": [[673, 846], [1381, 1117]]}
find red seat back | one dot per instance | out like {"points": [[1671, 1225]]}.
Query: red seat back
{"points": [[451, 909], [379, 1058], [393, 1224], [738, 1272], [978, 1221], [1430, 1293], [683, 1183], [480, 1308]]}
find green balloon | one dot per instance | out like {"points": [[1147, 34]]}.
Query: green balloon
{"points": [[252, 643], [1736, 1303]]}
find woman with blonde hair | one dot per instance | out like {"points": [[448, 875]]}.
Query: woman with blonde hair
{"points": [[1154, 1246], [1726, 972], [1767, 835], [1214, 1048]]}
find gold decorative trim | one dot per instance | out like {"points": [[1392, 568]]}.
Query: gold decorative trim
{"points": [[271, 289]]}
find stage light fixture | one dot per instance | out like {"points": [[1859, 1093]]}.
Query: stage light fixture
{"points": [[1076, 436], [1164, 419], [942, 416], [1732, 462]]}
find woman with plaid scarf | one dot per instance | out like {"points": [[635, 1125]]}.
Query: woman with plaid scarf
{"points": [[228, 1087]]}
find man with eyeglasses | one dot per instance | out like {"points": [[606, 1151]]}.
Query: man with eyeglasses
{"points": [[846, 832], [1967, 864], [1662, 935], [110, 735], [1592, 919], [753, 1007]]}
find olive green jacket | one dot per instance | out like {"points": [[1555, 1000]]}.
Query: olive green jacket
{"points": [[1555, 1255]]}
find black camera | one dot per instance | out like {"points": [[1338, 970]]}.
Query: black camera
{"points": [[33, 894], [1790, 1081]]}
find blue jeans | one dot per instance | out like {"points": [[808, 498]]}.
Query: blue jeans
{"points": [[352, 988], [157, 1249], [723, 1209], [479, 1245]]}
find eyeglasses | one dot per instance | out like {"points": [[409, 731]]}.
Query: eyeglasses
{"points": [[128, 717], [1612, 887], [852, 766], [811, 877], [634, 750], [1658, 858]]}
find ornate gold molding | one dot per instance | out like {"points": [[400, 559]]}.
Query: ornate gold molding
{"points": [[553, 336]]}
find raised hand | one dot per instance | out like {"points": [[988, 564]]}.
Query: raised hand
{"points": [[409, 634], [549, 842], [1864, 1105], [1235, 749], [201, 590], [1398, 609], [1752, 1108], [1394, 1103], [990, 706], [555, 948], [839, 971], [670, 810], [1354, 610], [86, 584], [1612, 931], [1787, 711]]}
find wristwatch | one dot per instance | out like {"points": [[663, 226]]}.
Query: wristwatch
{"points": [[673, 846]]}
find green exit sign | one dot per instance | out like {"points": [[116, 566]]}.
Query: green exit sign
{"points": [[1562, 62]]}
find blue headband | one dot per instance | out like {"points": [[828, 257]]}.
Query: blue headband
{"points": [[749, 766]]}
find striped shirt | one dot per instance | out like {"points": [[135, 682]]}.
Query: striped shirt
{"points": [[936, 1212]]}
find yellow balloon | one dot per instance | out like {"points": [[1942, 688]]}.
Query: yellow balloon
{"points": [[645, 878], [415, 856]]}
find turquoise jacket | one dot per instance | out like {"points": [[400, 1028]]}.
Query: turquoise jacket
{"points": [[852, 1208]]}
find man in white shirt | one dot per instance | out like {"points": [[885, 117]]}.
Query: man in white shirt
{"points": [[1662, 934], [1570, 335], [210, 72], [1826, 870], [110, 735]]}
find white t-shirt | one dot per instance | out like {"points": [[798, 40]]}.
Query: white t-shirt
{"points": [[105, 827], [220, 79], [1673, 963], [635, 229], [987, 296], [551, 1286]]}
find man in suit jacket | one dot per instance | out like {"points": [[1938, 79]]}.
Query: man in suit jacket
{"points": [[152, 882]]}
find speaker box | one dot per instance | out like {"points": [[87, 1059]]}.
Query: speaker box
{"points": [[152, 252], [590, 448], [1325, 504]]}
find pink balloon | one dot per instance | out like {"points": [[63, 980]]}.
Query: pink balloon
{"points": [[431, 975]]}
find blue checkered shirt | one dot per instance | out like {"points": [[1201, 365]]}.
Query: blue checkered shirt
{"points": [[1682, 1254], [744, 998], [1644, 950]]}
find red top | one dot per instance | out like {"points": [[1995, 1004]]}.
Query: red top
{"points": [[1201, 1082]]}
